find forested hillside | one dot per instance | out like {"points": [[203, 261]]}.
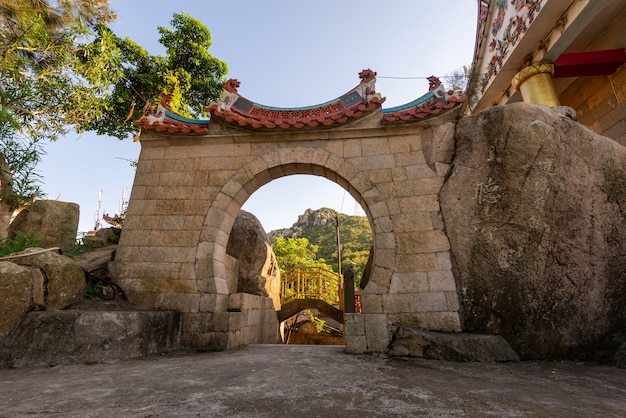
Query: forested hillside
{"points": [[318, 227]]}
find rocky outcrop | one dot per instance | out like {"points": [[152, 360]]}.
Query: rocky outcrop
{"points": [[258, 271], [320, 217], [535, 211], [45, 320], [51, 222]]}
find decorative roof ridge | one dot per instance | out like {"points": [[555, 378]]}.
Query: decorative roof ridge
{"points": [[237, 110], [432, 103], [234, 109], [165, 119]]}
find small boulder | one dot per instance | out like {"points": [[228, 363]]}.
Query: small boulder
{"points": [[413, 342], [307, 328], [96, 259], [109, 235], [92, 241]]}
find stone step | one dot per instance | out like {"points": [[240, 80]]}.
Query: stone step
{"points": [[90, 332]]}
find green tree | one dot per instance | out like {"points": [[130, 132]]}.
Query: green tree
{"points": [[188, 73], [297, 252], [46, 86], [47, 82], [355, 238], [356, 242], [63, 69]]}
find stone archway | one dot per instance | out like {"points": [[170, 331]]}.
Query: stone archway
{"points": [[192, 180], [259, 172]]}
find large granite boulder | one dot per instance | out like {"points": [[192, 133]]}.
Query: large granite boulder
{"points": [[258, 271], [52, 222], [535, 210]]}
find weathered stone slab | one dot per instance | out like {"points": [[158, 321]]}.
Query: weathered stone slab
{"points": [[251, 320], [376, 332], [413, 342], [98, 258], [92, 332]]}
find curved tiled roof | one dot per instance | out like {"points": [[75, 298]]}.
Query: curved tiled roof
{"points": [[436, 101], [236, 110]]}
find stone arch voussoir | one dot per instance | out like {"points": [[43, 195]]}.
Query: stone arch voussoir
{"points": [[210, 259]]}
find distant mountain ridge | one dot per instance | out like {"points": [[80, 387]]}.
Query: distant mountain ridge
{"points": [[319, 227], [320, 217]]}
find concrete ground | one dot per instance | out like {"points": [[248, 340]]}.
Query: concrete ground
{"points": [[311, 381]]}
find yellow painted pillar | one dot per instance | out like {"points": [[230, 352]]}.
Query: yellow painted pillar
{"points": [[535, 84]]}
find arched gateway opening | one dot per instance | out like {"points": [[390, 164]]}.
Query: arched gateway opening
{"points": [[193, 177]]}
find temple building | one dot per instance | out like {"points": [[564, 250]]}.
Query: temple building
{"points": [[554, 52]]}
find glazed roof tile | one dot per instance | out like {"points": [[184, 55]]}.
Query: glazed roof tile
{"points": [[237, 111]]}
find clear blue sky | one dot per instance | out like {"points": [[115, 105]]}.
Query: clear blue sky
{"points": [[287, 54]]}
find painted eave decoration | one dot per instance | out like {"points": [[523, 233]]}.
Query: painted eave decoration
{"points": [[581, 38], [502, 26]]}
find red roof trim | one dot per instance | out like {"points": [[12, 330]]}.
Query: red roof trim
{"points": [[591, 63]]}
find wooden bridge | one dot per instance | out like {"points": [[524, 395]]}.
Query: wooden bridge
{"points": [[311, 288]]}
